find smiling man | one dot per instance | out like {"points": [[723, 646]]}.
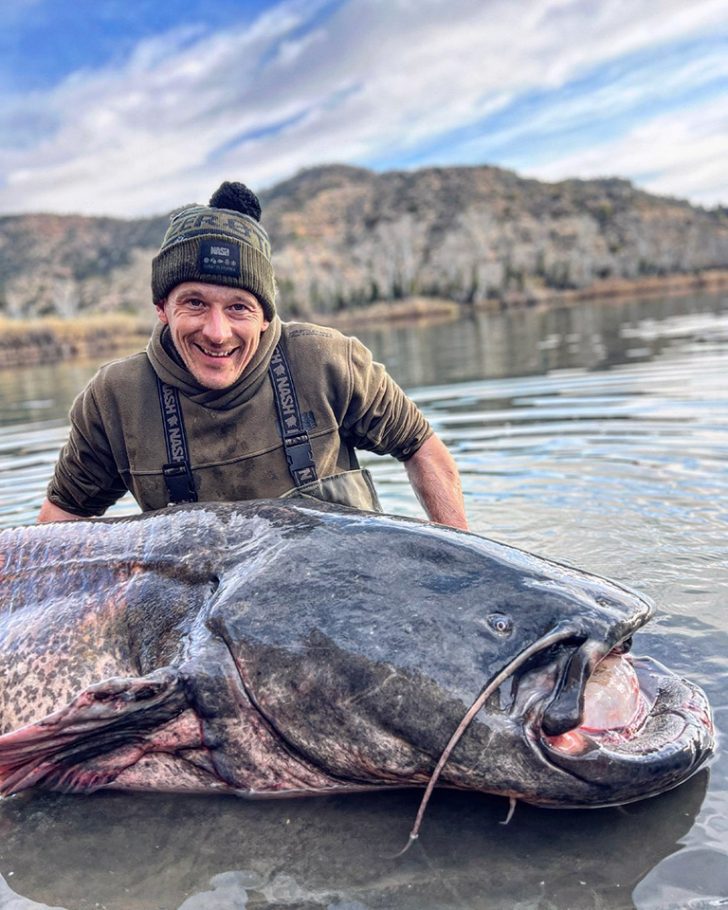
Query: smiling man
{"points": [[215, 330], [229, 403]]}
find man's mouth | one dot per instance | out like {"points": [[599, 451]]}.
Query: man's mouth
{"points": [[217, 354]]}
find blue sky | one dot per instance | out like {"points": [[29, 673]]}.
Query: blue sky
{"points": [[132, 108]]}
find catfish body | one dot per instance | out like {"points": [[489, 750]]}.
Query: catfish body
{"points": [[277, 648]]}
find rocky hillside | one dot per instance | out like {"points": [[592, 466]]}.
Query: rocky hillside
{"points": [[65, 265], [345, 237]]}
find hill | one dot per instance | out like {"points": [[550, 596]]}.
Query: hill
{"points": [[344, 237]]}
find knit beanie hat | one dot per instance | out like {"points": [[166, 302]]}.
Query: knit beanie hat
{"points": [[222, 243]]}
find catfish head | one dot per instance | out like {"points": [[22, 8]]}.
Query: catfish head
{"points": [[362, 641]]}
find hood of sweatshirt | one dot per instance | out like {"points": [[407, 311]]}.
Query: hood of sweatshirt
{"points": [[170, 368]]}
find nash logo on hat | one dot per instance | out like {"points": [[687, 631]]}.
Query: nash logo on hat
{"points": [[218, 258]]}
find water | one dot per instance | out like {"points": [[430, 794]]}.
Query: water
{"points": [[595, 434]]}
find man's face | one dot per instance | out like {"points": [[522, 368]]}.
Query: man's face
{"points": [[215, 329]]}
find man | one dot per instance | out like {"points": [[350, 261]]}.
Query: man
{"points": [[228, 403]]}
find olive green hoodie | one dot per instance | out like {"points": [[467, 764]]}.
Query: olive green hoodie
{"points": [[117, 441]]}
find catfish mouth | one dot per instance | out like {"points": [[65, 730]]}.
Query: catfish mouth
{"points": [[625, 724]]}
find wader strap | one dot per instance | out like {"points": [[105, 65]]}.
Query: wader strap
{"points": [[177, 472], [296, 441]]}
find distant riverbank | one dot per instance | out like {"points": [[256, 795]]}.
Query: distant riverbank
{"points": [[49, 340], [708, 281], [411, 308], [30, 342]]}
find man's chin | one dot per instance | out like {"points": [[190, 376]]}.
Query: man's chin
{"points": [[214, 379]]}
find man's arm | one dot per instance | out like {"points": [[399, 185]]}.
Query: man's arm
{"points": [[51, 512], [435, 479], [86, 479]]}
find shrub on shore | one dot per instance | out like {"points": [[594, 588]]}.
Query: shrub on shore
{"points": [[48, 340]]}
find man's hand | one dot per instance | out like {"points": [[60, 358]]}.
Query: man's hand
{"points": [[435, 479], [49, 512]]}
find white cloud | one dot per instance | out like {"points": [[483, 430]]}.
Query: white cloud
{"points": [[680, 154], [374, 80]]}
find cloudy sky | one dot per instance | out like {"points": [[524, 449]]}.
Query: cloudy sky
{"points": [[131, 107]]}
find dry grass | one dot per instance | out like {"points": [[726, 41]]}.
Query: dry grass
{"points": [[53, 339], [411, 309]]}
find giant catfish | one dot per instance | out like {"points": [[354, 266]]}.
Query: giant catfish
{"points": [[279, 648]]}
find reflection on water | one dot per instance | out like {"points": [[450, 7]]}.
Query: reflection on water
{"points": [[695, 877], [157, 851], [532, 342], [595, 434]]}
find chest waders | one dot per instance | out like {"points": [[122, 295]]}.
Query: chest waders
{"points": [[353, 488]]}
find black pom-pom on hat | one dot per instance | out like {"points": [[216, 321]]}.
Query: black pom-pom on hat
{"points": [[238, 197]]}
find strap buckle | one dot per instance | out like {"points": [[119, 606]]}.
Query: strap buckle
{"points": [[299, 454], [180, 483]]}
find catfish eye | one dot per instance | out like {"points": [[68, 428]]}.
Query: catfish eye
{"points": [[500, 623]]}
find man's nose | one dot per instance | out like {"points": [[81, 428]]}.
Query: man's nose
{"points": [[217, 326]]}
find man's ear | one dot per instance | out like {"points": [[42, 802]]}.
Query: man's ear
{"points": [[161, 311]]}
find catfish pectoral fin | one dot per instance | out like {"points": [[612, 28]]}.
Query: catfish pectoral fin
{"points": [[89, 742]]}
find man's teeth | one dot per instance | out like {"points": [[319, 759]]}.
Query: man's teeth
{"points": [[216, 353]]}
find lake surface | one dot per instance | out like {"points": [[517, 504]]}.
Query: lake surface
{"points": [[594, 434]]}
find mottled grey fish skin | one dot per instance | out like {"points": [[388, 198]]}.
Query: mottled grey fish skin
{"points": [[278, 648]]}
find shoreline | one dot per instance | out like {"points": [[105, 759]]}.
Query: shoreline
{"points": [[439, 309], [52, 339], [708, 281]]}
